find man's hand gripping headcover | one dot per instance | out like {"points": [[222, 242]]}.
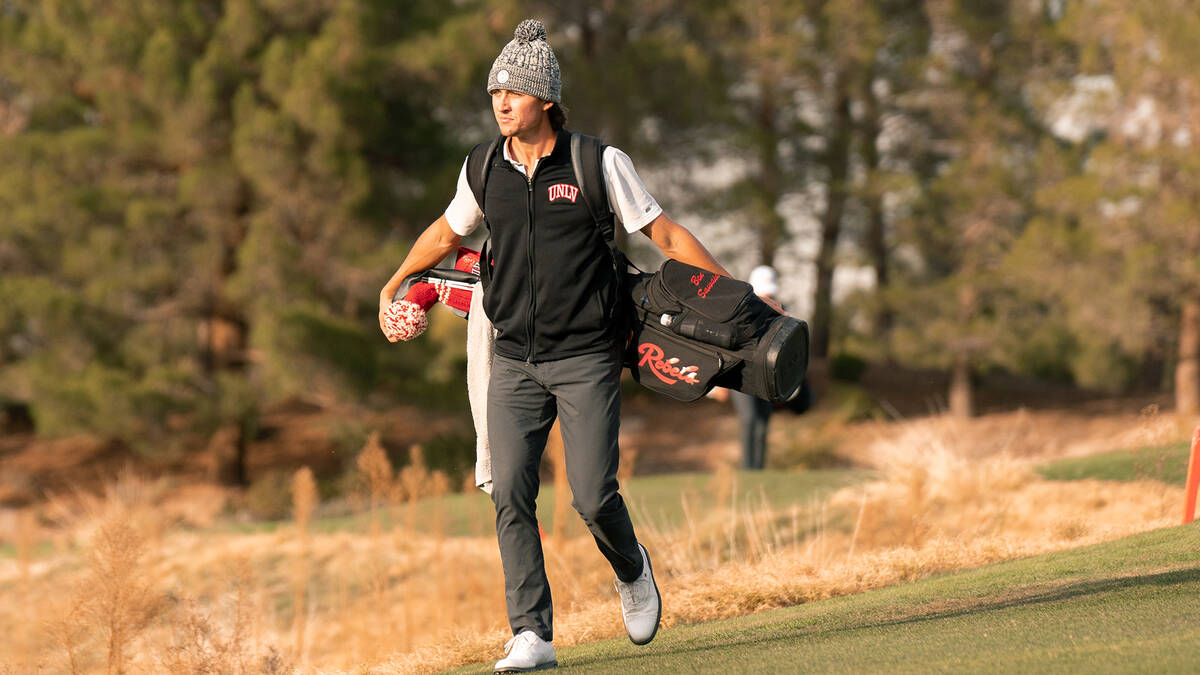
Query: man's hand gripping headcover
{"points": [[406, 319]]}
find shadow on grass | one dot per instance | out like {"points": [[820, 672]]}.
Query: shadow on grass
{"points": [[1057, 593], [789, 631]]}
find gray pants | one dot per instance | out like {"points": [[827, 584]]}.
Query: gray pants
{"points": [[753, 413], [584, 393]]}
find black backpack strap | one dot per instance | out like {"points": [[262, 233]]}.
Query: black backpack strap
{"points": [[587, 160], [587, 157], [479, 164]]}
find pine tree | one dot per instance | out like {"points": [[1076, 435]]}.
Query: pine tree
{"points": [[1141, 202], [199, 191], [976, 188]]}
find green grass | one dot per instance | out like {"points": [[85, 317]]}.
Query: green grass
{"points": [[658, 500], [655, 501], [1167, 463], [1126, 606], [40, 549]]}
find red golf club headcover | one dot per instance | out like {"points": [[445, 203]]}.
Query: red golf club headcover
{"points": [[406, 319], [460, 298]]}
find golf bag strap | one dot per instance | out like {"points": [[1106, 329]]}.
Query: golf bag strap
{"points": [[479, 164]]}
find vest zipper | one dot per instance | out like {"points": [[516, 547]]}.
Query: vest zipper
{"points": [[532, 281]]}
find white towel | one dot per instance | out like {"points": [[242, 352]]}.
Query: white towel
{"points": [[481, 337]]}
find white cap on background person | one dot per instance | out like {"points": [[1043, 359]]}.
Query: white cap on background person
{"points": [[764, 280]]}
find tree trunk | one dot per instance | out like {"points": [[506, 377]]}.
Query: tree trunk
{"points": [[876, 237], [225, 337], [1187, 372], [962, 397], [766, 187], [838, 162]]}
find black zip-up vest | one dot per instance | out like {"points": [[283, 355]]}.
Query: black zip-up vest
{"points": [[552, 288]]}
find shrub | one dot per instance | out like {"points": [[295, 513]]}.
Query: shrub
{"points": [[270, 496], [847, 367]]}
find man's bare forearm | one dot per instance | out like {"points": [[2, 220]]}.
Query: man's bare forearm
{"points": [[434, 244], [678, 243]]}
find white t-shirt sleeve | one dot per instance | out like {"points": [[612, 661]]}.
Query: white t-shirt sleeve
{"points": [[463, 214], [627, 195]]}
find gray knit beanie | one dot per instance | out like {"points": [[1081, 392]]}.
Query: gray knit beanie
{"points": [[527, 64]]}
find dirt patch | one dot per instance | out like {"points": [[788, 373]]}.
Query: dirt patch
{"points": [[285, 439], [31, 468], [1092, 428]]}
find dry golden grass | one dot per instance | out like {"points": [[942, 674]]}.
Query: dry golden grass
{"points": [[1038, 434], [126, 590]]}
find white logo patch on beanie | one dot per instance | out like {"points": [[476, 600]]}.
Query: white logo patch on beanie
{"points": [[502, 76]]}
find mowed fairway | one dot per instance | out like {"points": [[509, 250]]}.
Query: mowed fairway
{"points": [[1131, 605]]}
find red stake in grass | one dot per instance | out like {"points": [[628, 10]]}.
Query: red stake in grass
{"points": [[1193, 479]]}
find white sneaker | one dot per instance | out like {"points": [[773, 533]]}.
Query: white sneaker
{"points": [[641, 605], [526, 652]]}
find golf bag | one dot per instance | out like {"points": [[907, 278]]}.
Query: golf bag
{"points": [[694, 330]]}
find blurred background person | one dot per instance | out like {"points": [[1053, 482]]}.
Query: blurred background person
{"points": [[754, 413]]}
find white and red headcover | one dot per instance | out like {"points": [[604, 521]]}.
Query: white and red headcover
{"points": [[406, 319]]}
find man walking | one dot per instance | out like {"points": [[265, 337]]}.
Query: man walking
{"points": [[754, 413], [551, 298]]}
